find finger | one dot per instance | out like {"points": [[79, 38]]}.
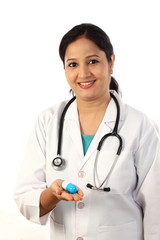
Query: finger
{"points": [[80, 192], [58, 190], [77, 197], [67, 196]]}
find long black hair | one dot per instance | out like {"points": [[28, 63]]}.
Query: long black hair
{"points": [[96, 35]]}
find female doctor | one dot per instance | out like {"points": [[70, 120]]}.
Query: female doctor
{"points": [[118, 190]]}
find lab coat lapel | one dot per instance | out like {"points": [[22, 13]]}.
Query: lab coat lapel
{"points": [[73, 129], [111, 113], [102, 130], [106, 126]]}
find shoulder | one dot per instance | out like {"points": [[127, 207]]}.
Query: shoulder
{"points": [[47, 115], [134, 117], [140, 123], [137, 117]]}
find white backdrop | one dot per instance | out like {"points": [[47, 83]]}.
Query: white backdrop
{"points": [[32, 76]]}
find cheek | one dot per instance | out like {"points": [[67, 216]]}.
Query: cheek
{"points": [[70, 76], [103, 72], [104, 75]]}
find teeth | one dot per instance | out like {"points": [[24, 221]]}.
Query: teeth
{"points": [[84, 84]]}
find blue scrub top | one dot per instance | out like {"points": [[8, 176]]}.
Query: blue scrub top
{"points": [[86, 141]]}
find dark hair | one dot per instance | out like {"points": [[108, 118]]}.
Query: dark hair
{"points": [[93, 33]]}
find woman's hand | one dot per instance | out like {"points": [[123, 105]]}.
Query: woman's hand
{"points": [[55, 193], [62, 194]]}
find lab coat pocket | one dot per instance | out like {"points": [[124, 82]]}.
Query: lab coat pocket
{"points": [[57, 230], [120, 232]]}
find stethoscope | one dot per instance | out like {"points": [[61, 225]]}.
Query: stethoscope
{"points": [[59, 163]]}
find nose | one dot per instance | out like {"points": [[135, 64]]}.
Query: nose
{"points": [[84, 71]]}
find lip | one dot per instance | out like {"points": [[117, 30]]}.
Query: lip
{"points": [[86, 84]]}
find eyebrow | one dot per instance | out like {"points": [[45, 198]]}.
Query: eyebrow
{"points": [[94, 55], [72, 59]]}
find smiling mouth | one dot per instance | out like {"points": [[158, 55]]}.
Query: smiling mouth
{"points": [[86, 83]]}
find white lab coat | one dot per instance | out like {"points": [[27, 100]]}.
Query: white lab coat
{"points": [[130, 211]]}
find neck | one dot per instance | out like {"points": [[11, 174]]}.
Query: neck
{"points": [[89, 107], [91, 114]]}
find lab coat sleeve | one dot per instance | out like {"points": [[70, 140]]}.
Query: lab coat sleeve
{"points": [[31, 180], [147, 194]]}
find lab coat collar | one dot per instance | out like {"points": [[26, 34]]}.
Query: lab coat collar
{"points": [[111, 112], [110, 115]]}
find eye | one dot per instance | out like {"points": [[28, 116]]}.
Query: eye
{"points": [[93, 61], [73, 64]]}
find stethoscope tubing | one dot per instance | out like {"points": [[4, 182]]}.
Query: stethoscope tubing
{"points": [[61, 126], [112, 134], [58, 163], [94, 171]]}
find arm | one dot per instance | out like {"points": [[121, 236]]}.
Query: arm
{"points": [[31, 194], [31, 181], [147, 194]]}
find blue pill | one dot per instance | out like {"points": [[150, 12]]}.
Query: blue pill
{"points": [[69, 187]]}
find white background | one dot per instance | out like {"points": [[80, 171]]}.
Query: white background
{"points": [[32, 76]]}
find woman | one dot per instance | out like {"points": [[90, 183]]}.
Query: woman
{"points": [[130, 209]]}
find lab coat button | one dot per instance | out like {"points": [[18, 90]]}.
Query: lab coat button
{"points": [[81, 174], [81, 205], [79, 238]]}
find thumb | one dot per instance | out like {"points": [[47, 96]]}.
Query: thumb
{"points": [[58, 190]]}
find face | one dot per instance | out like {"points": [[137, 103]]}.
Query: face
{"points": [[87, 69]]}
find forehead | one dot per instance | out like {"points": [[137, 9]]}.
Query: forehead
{"points": [[82, 47]]}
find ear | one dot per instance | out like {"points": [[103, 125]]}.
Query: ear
{"points": [[112, 63]]}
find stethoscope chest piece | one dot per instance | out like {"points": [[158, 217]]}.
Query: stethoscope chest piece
{"points": [[58, 163]]}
